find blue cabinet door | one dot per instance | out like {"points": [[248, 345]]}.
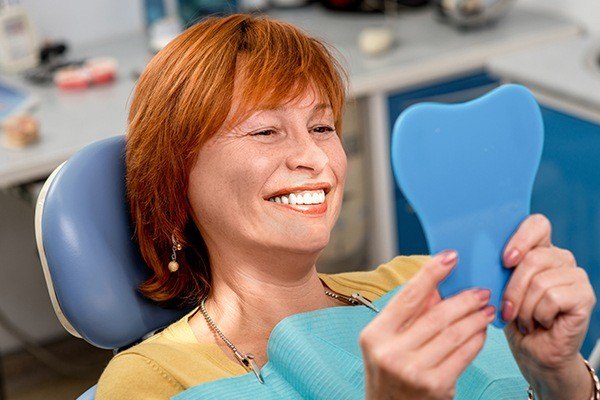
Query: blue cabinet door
{"points": [[567, 191], [567, 187]]}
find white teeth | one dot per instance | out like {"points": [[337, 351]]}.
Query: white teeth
{"points": [[316, 198], [312, 197]]}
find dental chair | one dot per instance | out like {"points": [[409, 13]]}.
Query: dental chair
{"points": [[91, 264]]}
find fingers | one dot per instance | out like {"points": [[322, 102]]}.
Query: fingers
{"points": [[417, 332], [535, 262], [577, 299], [415, 294], [540, 285], [444, 314], [434, 367], [455, 364], [456, 335], [535, 231]]}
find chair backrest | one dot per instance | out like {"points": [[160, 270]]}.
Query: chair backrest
{"points": [[91, 264]]}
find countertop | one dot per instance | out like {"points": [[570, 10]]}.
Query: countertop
{"points": [[426, 50], [69, 121], [568, 69]]}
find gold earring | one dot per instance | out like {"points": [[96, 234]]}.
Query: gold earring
{"points": [[174, 265]]}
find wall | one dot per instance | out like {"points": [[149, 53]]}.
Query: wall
{"points": [[84, 21]]}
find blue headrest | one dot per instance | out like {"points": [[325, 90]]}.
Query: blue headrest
{"points": [[91, 264]]}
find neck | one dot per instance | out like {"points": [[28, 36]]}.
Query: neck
{"points": [[252, 293]]}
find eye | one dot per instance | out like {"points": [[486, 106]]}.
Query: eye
{"points": [[324, 129], [266, 132]]}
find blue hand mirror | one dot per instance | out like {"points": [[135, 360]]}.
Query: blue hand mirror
{"points": [[468, 171]]}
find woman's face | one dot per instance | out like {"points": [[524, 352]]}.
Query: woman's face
{"points": [[274, 182]]}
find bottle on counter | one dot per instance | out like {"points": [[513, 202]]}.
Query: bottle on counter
{"points": [[18, 42]]}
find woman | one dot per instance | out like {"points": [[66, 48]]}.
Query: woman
{"points": [[235, 174]]}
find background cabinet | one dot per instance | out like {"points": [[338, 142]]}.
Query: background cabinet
{"points": [[567, 190]]}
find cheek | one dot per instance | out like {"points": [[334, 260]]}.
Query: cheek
{"points": [[201, 192], [224, 184], [341, 167], [338, 161]]}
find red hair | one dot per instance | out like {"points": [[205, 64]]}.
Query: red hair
{"points": [[182, 99]]}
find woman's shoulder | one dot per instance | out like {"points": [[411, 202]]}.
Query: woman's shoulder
{"points": [[375, 283], [135, 376], [163, 365]]}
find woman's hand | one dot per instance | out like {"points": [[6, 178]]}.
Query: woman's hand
{"points": [[418, 346], [548, 302]]}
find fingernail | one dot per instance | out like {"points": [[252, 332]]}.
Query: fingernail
{"points": [[511, 258], [449, 257], [484, 294], [489, 311], [507, 310]]}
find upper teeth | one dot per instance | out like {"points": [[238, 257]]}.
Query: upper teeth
{"points": [[305, 197]]}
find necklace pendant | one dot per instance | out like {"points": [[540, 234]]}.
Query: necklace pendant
{"points": [[362, 300], [251, 365]]}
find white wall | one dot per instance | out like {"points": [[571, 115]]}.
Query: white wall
{"points": [[81, 21], [585, 11]]}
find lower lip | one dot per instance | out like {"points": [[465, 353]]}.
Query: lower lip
{"points": [[306, 209]]}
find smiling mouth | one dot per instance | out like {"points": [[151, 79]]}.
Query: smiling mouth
{"points": [[310, 202]]}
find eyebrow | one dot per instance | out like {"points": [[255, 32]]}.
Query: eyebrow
{"points": [[317, 107]]}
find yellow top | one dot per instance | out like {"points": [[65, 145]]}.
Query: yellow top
{"points": [[173, 360]]}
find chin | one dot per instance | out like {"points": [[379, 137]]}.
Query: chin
{"points": [[308, 245]]}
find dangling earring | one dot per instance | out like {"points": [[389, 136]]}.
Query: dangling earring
{"points": [[174, 265]]}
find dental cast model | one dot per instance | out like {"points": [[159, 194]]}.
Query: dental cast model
{"points": [[468, 171]]}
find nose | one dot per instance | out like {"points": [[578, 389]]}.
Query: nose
{"points": [[306, 154]]}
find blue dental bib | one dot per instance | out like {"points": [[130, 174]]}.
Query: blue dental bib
{"points": [[316, 355]]}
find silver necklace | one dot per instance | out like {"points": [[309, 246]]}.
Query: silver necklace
{"points": [[247, 360]]}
